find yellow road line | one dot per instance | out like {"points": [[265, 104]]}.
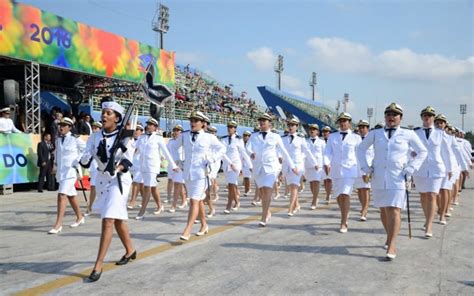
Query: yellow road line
{"points": [[67, 280]]}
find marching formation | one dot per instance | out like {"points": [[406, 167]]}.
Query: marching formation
{"points": [[386, 160]]}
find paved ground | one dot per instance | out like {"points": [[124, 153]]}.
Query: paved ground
{"points": [[303, 254]]}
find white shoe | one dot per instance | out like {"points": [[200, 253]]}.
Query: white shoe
{"points": [[196, 221], [313, 207], [166, 201], [301, 191], [343, 230], [236, 208], [226, 212], [161, 209], [254, 203], [451, 209], [140, 217], [448, 214], [390, 256], [76, 224], [87, 214], [55, 231], [428, 235], [385, 247], [184, 238], [183, 206], [259, 203], [201, 233], [262, 224], [362, 218], [456, 203], [276, 197], [130, 207], [211, 214], [172, 210], [443, 222], [290, 214]]}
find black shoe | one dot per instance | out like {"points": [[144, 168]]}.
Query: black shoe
{"points": [[40, 191], [95, 276], [125, 259]]}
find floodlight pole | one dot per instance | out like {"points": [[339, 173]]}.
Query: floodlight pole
{"points": [[279, 69], [313, 83], [463, 111]]}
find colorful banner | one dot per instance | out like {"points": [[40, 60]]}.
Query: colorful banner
{"points": [[18, 158], [28, 33]]}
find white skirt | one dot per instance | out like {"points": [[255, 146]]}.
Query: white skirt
{"points": [[137, 177], [149, 179], [389, 198], [246, 173], [326, 176], [360, 184], [92, 177], [196, 189], [311, 174], [343, 186], [110, 203], [292, 178], [266, 179], [215, 167], [68, 187], [447, 183], [424, 185], [232, 177]]}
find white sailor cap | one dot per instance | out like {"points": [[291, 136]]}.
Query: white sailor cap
{"points": [[66, 121], [5, 110], [152, 121], [113, 106], [97, 124]]}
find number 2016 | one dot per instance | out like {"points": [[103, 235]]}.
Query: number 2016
{"points": [[47, 35]]}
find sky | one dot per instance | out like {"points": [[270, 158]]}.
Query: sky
{"points": [[415, 53]]}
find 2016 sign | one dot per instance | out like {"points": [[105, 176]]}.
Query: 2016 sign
{"points": [[47, 35]]}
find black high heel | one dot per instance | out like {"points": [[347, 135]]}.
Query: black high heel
{"points": [[124, 260], [95, 276]]}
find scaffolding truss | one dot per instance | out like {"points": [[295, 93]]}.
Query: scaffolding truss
{"points": [[32, 98]]}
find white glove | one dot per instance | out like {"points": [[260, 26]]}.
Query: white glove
{"points": [[408, 173]]}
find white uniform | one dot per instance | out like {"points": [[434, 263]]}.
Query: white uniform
{"points": [[150, 146], [391, 163], [235, 151], [178, 157], [110, 203], [92, 168], [266, 165], [429, 177], [135, 170], [340, 155], [325, 176], [7, 126], [246, 170], [466, 155], [198, 157], [316, 146], [68, 153], [359, 182], [299, 152]]}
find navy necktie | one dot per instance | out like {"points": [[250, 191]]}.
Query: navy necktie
{"points": [[230, 140], [427, 133], [291, 138], [62, 139], [343, 135], [362, 137], [312, 140], [194, 136], [326, 140], [264, 134], [390, 130]]}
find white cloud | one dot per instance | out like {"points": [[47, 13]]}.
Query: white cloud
{"points": [[288, 81], [263, 58], [340, 55]]}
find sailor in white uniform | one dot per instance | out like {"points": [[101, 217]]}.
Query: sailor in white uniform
{"points": [[340, 163], [429, 177], [264, 147], [212, 195], [299, 153], [6, 124], [201, 150], [150, 145], [112, 189], [326, 131], [235, 151], [314, 175], [246, 171], [176, 177], [137, 184], [96, 127], [363, 185], [391, 167], [66, 164]]}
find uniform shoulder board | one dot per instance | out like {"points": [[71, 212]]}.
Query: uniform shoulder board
{"points": [[301, 136], [332, 132], [275, 132], [255, 132], [76, 135], [376, 128], [186, 131], [284, 136], [416, 128], [238, 136], [223, 137], [404, 127]]}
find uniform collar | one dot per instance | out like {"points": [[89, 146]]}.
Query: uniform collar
{"points": [[349, 131], [108, 135]]}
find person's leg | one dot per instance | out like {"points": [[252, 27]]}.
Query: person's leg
{"points": [[423, 201], [246, 185], [266, 196], [192, 215], [122, 230], [156, 196], [364, 197], [236, 196], [202, 213], [328, 188], [394, 222], [145, 199], [41, 176], [105, 239], [293, 190], [430, 210], [384, 219], [75, 207], [230, 197], [61, 210], [91, 199], [344, 204], [169, 190], [314, 185], [134, 194], [443, 203]]}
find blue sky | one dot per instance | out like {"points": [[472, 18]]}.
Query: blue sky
{"points": [[416, 53]]}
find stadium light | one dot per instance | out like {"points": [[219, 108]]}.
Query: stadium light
{"points": [[160, 22], [463, 111], [345, 102], [313, 83], [370, 113], [279, 69]]}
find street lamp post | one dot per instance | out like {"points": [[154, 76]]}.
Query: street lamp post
{"points": [[345, 102], [279, 69], [463, 111], [370, 113], [313, 83]]}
